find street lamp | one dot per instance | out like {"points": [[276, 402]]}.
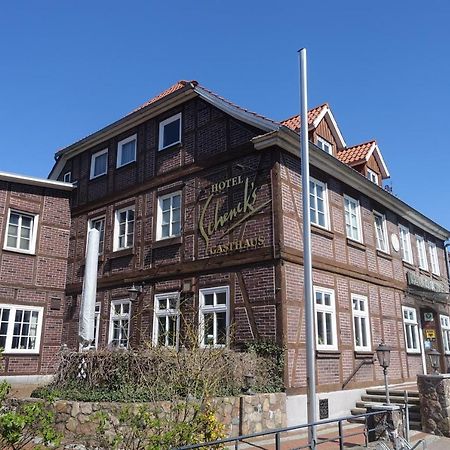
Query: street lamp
{"points": [[384, 358], [434, 359], [134, 292]]}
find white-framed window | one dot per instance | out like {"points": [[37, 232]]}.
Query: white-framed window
{"points": [[318, 203], [325, 145], [325, 319], [169, 216], [421, 252], [361, 323], [126, 151], [20, 328], [213, 316], [96, 324], [434, 258], [445, 329], [99, 224], [21, 231], [372, 176], [99, 163], [119, 323], [170, 131], [67, 178], [352, 219], [411, 327], [166, 321], [124, 228], [381, 232], [405, 244]]}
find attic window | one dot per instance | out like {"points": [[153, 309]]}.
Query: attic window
{"points": [[372, 176], [324, 145], [170, 131]]}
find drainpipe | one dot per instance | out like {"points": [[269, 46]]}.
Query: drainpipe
{"points": [[447, 262]]}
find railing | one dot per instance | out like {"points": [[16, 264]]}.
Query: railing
{"points": [[362, 363], [275, 436]]}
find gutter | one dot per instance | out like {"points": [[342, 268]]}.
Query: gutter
{"points": [[34, 181]]}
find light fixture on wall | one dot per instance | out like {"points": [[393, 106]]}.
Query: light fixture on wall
{"points": [[135, 291], [434, 356], [384, 358]]}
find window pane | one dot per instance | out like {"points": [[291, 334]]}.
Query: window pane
{"points": [[171, 133], [176, 201], [329, 329], [320, 330], [128, 152], [221, 319], [221, 298], [162, 331], [209, 329], [209, 299]]}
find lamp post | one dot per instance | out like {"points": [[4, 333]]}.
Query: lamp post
{"points": [[434, 355], [133, 292], [384, 358]]}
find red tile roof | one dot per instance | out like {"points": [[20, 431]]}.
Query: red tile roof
{"points": [[294, 122], [356, 154]]}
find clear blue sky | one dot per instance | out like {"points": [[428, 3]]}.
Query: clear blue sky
{"points": [[70, 67]]}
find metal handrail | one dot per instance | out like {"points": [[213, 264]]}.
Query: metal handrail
{"points": [[277, 433], [362, 363]]}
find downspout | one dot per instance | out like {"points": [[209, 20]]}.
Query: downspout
{"points": [[447, 262]]}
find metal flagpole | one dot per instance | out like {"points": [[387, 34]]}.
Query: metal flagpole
{"points": [[307, 260]]}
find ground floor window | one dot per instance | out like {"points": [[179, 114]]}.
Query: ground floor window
{"points": [[166, 320], [445, 328], [361, 324], [119, 325], [96, 324], [20, 328], [326, 334], [411, 326], [213, 316]]}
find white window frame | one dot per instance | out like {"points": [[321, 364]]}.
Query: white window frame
{"points": [[313, 203], [10, 328], [324, 145], [213, 309], [116, 246], [381, 232], [434, 261], [101, 244], [97, 312], [120, 145], [93, 159], [161, 131], [445, 330], [372, 176], [120, 317], [33, 231], [411, 329], [159, 217], [357, 212], [361, 316], [67, 178], [405, 239], [421, 252], [326, 309], [166, 314]]}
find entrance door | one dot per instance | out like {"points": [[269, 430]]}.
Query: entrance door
{"points": [[431, 336]]}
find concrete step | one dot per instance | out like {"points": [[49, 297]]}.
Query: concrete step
{"points": [[392, 392], [412, 408], [393, 399]]}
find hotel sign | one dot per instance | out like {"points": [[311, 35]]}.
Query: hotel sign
{"points": [[214, 221], [425, 283]]}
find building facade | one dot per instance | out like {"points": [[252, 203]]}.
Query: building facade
{"points": [[198, 204], [34, 230]]}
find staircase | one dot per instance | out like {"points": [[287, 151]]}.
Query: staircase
{"points": [[377, 396]]}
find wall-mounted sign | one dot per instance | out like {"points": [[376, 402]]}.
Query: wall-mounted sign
{"points": [[428, 317], [215, 222], [395, 242], [430, 334], [425, 283]]}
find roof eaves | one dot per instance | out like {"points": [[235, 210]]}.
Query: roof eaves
{"points": [[34, 181]]}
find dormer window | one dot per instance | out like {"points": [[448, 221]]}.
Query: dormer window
{"points": [[170, 132], [324, 145], [372, 176]]}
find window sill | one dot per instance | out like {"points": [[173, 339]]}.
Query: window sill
{"points": [[356, 244], [175, 146], [97, 177], [122, 252], [408, 265], [384, 255], [125, 165], [328, 354], [316, 229], [168, 241], [20, 353], [424, 272], [436, 276], [360, 354], [16, 250], [413, 353]]}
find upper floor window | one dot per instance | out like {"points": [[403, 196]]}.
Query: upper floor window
{"points": [[169, 216], [124, 228], [324, 145], [361, 324], [421, 252], [352, 218], [67, 178], [318, 203], [405, 244], [166, 320], [411, 327], [213, 316], [21, 232], [99, 224], [119, 324], [126, 151], [99, 163], [20, 328], [326, 334], [372, 176], [381, 232], [170, 131], [434, 258], [445, 328]]}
